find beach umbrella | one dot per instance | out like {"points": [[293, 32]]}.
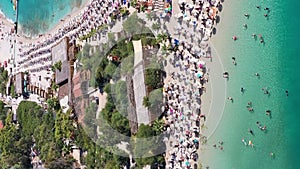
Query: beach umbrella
{"points": [[192, 23], [179, 15], [201, 64], [180, 47], [199, 74], [187, 163], [187, 18], [181, 1]]}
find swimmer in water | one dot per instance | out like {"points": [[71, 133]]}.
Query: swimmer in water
{"points": [[246, 15], [251, 131], [242, 90]]}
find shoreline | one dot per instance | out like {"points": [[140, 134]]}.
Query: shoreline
{"points": [[2, 16], [26, 39], [214, 100], [236, 120], [73, 13]]}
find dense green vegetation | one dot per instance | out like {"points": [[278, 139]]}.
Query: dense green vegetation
{"points": [[50, 131], [3, 80], [12, 91], [138, 28], [153, 78], [57, 66], [113, 118], [93, 32], [147, 145], [89, 120], [3, 112], [115, 111]]}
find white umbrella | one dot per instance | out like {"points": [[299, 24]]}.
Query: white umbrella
{"points": [[179, 15], [187, 18], [181, 1], [180, 48], [194, 11]]}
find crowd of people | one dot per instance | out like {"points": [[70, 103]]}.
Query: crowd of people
{"points": [[182, 93], [183, 106], [35, 55], [201, 14], [93, 16]]}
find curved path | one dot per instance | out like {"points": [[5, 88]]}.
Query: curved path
{"points": [[213, 101]]}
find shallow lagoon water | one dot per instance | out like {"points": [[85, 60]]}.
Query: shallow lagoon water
{"points": [[38, 16]]}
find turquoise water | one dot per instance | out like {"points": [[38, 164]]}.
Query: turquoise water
{"points": [[277, 63], [38, 16]]}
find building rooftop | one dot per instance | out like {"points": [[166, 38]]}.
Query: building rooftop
{"points": [[63, 75], [60, 51], [19, 83]]}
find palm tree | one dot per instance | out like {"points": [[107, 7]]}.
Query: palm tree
{"points": [[54, 86], [158, 126], [155, 26], [58, 65], [146, 102]]}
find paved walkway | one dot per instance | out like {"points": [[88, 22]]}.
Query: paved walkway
{"points": [[139, 84]]}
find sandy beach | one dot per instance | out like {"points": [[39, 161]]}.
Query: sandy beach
{"points": [[6, 40], [64, 21], [7, 47]]}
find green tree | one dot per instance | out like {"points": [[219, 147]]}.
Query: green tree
{"points": [[61, 163], [127, 65], [29, 116], [156, 101], [161, 38], [153, 78], [155, 27], [14, 148], [138, 27], [146, 102], [3, 112], [53, 103], [58, 65], [13, 91], [158, 126], [109, 70]]}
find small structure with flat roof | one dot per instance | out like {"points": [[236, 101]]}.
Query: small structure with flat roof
{"points": [[139, 84], [59, 53], [19, 83]]}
